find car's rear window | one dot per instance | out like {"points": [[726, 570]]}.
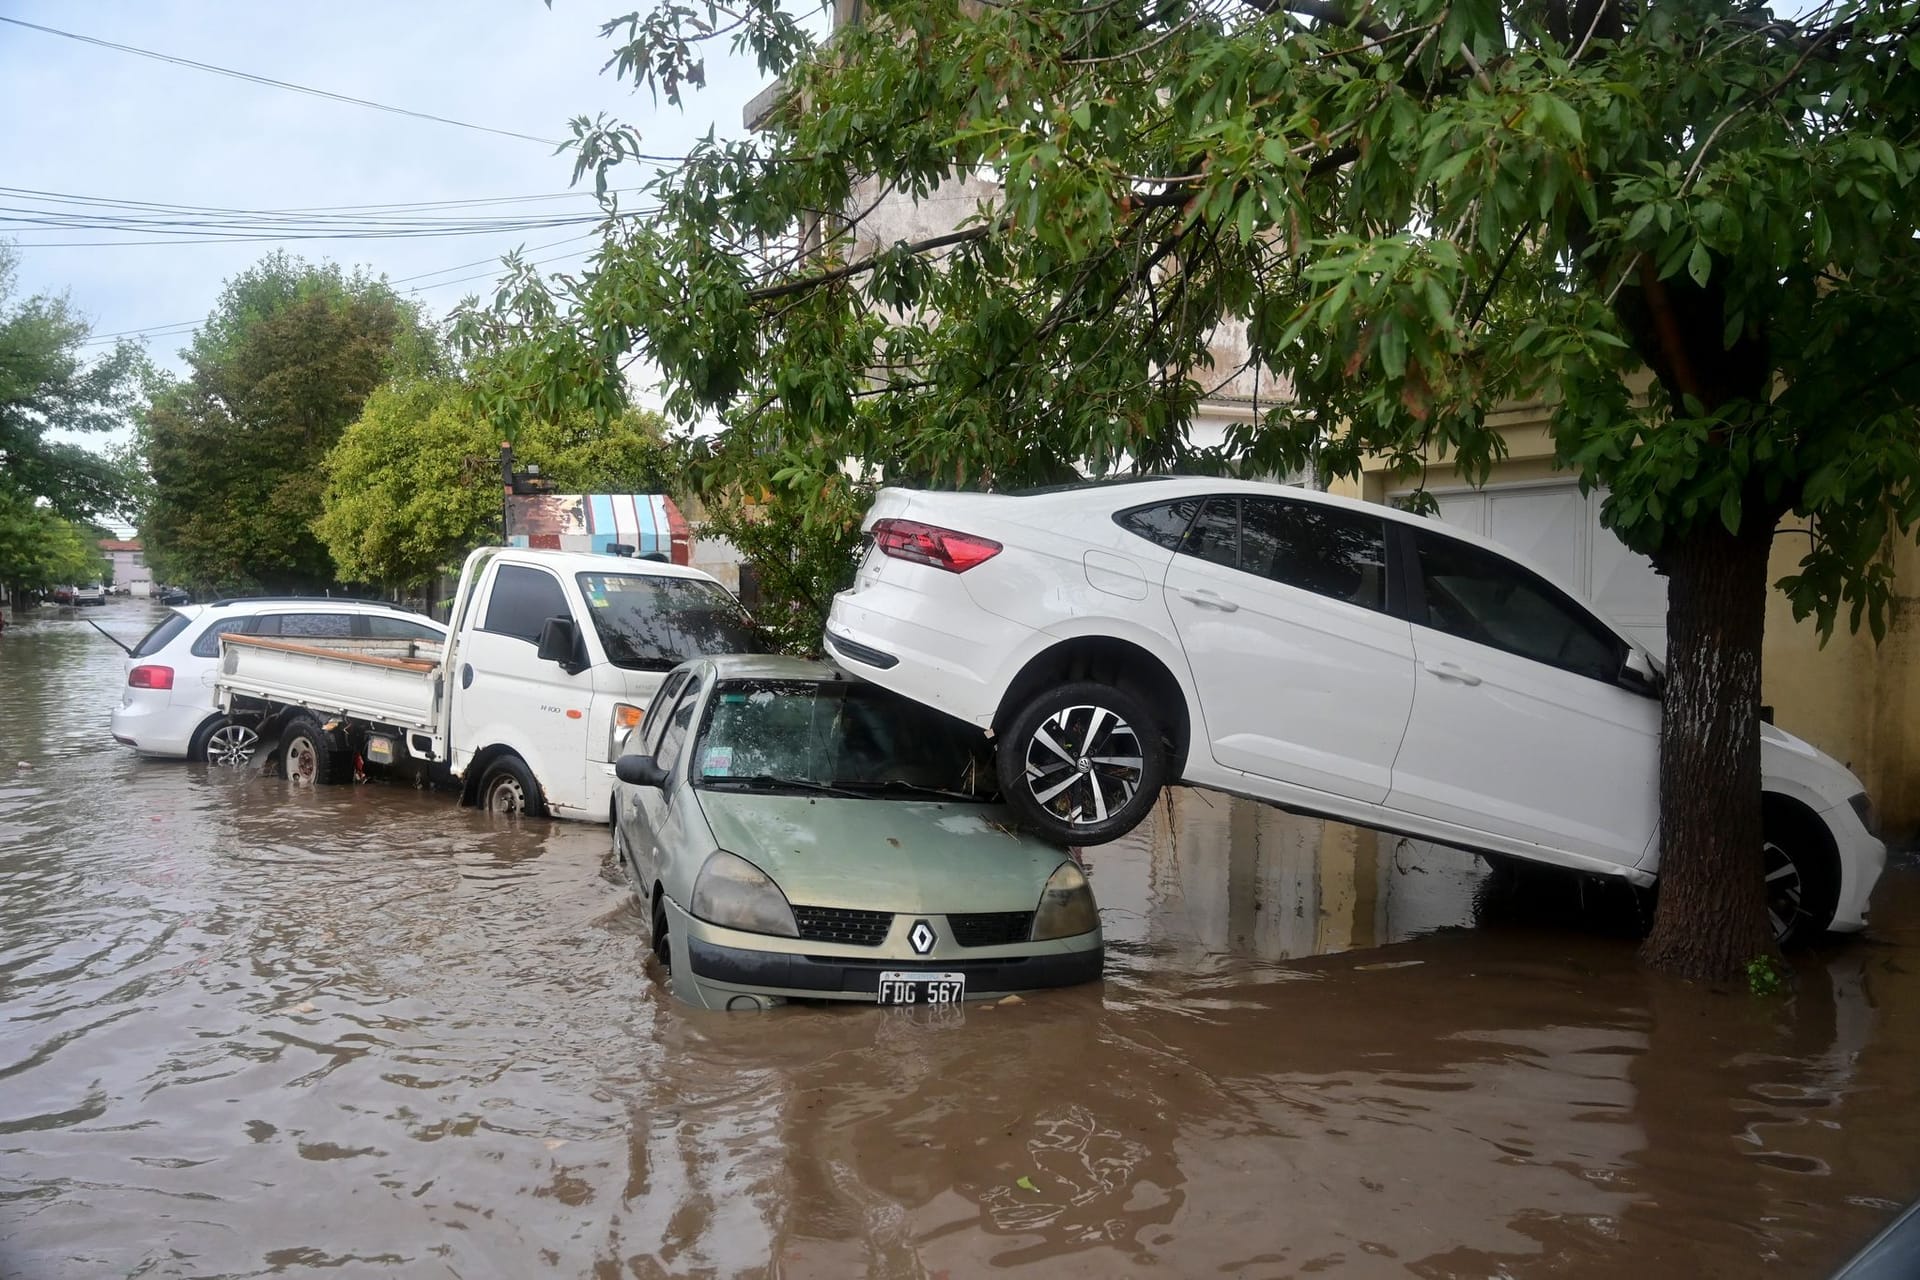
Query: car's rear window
{"points": [[156, 640]]}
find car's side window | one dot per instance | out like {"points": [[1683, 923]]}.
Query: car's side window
{"points": [[1477, 595], [659, 711], [1325, 550], [1163, 523], [208, 645], [667, 754], [381, 627], [1215, 534], [306, 625], [523, 599]]}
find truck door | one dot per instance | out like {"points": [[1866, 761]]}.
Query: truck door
{"points": [[504, 695]]}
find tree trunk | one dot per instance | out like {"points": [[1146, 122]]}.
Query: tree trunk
{"points": [[1712, 916]]}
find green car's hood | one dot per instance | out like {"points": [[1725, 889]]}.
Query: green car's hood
{"points": [[884, 855]]}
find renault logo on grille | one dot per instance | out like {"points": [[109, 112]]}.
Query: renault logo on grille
{"points": [[921, 937]]}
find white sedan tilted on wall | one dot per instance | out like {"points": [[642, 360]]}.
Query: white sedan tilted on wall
{"points": [[1331, 656]]}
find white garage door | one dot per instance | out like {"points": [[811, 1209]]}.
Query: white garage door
{"points": [[1557, 527]]}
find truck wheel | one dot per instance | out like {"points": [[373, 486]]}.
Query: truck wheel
{"points": [[310, 756], [224, 741], [508, 787], [1082, 763]]}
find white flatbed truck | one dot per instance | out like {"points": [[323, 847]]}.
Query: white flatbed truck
{"points": [[550, 661]]}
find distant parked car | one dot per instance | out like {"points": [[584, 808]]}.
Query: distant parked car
{"points": [[167, 707], [796, 834], [91, 593], [173, 595], [1333, 656], [63, 595]]}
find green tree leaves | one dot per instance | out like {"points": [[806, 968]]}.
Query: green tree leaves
{"points": [[283, 364]]}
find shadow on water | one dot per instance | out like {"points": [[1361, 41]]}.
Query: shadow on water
{"points": [[251, 1030]]}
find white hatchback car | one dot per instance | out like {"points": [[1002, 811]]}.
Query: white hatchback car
{"points": [[1331, 656], [167, 707]]}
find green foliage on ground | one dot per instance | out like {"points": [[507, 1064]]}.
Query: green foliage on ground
{"points": [[235, 451]]}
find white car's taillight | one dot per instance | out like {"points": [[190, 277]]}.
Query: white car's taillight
{"points": [[947, 549], [150, 677]]}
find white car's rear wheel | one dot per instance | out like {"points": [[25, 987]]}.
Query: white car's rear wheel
{"points": [[1082, 763], [225, 742]]}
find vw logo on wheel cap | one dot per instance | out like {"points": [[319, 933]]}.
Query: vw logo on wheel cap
{"points": [[921, 937]]}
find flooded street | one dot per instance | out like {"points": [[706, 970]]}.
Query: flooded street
{"points": [[361, 1031]]}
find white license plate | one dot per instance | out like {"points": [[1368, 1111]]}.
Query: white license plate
{"points": [[900, 987]]}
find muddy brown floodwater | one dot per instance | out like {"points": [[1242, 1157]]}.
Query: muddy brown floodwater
{"points": [[359, 1031]]}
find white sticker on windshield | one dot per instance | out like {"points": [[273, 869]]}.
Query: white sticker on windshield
{"points": [[718, 762]]}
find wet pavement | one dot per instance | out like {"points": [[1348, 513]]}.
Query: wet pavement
{"points": [[359, 1031]]}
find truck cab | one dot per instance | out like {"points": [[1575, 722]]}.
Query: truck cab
{"points": [[552, 660]]}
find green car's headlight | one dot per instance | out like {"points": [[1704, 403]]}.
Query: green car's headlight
{"points": [[1066, 905], [734, 894]]}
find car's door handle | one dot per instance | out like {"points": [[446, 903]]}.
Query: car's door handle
{"points": [[1453, 671], [1209, 599]]}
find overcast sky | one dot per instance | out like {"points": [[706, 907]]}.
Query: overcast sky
{"points": [[89, 121]]}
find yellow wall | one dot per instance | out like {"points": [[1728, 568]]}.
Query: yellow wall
{"points": [[1856, 700]]}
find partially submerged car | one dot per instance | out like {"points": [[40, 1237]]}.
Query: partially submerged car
{"points": [[798, 834]]}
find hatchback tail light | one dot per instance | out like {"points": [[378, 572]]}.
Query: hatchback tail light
{"points": [[929, 544], [147, 677]]}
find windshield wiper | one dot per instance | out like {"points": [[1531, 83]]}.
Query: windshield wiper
{"points": [[914, 788], [767, 782]]}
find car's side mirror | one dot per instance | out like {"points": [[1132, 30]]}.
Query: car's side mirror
{"points": [[560, 642], [639, 771], [1638, 674]]}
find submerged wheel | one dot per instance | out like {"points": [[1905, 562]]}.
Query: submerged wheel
{"points": [[1082, 763], [310, 756], [662, 949], [224, 741], [1801, 887], [507, 787]]}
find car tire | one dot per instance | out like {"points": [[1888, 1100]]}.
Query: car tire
{"points": [[1082, 763], [507, 787], [662, 945], [311, 756], [1803, 881], [223, 740]]}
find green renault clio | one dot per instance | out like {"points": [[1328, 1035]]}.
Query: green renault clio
{"points": [[797, 834]]}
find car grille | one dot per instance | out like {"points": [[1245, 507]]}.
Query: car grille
{"points": [[832, 924], [991, 928]]}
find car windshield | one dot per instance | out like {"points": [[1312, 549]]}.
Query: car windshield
{"points": [[651, 622], [855, 738], [156, 640]]}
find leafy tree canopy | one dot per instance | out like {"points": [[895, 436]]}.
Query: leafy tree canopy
{"points": [[285, 361], [414, 482], [47, 385], [1417, 209]]}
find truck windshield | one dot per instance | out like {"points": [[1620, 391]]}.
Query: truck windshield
{"points": [[654, 623], [842, 736]]}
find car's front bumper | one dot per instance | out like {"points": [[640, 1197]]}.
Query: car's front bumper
{"points": [[1862, 857], [719, 968]]}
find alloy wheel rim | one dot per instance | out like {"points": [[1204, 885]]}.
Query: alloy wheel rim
{"points": [[1785, 890], [1084, 764], [303, 762], [232, 745]]}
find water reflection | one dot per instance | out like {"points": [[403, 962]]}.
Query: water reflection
{"points": [[250, 1029]]}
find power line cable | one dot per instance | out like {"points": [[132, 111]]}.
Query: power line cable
{"points": [[277, 84]]}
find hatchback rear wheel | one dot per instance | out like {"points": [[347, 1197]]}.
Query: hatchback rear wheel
{"points": [[1082, 763]]}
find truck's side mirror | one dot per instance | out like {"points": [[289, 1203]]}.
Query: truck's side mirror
{"points": [[639, 771], [560, 642], [1638, 674]]}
